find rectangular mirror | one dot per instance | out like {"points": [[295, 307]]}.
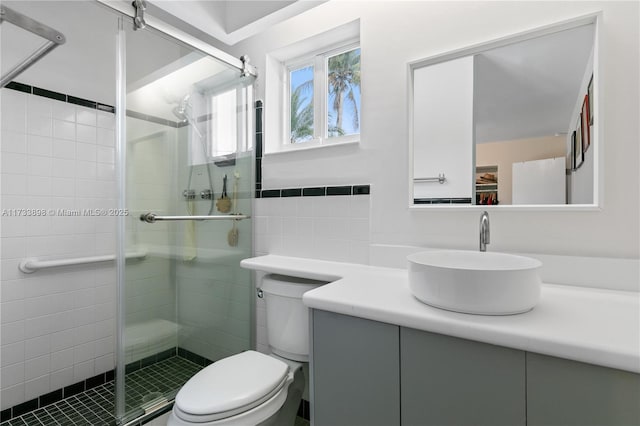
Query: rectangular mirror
{"points": [[512, 122]]}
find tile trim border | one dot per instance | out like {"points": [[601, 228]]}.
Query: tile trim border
{"points": [[442, 200], [316, 191], [62, 97]]}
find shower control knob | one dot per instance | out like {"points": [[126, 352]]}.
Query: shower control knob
{"points": [[260, 293], [206, 194]]}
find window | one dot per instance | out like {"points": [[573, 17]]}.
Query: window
{"points": [[223, 125], [301, 104], [323, 103], [219, 125]]}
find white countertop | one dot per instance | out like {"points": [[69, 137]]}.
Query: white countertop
{"points": [[590, 325]]}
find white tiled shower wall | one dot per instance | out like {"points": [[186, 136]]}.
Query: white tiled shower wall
{"points": [[57, 325], [332, 228]]}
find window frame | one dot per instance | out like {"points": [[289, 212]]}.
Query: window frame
{"points": [[319, 59]]}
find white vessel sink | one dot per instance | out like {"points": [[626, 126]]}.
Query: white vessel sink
{"points": [[474, 282]]}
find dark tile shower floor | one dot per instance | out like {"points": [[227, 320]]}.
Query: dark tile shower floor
{"points": [[95, 407]]}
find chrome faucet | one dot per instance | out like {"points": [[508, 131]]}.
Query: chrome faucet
{"points": [[484, 231]]}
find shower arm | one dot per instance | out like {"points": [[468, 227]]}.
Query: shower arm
{"points": [[53, 37]]}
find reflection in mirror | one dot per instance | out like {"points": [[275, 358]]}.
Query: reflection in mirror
{"points": [[509, 122]]}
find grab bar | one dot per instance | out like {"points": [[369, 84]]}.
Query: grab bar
{"points": [[54, 39], [152, 217], [29, 266], [440, 179]]}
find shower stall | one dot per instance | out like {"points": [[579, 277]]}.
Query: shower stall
{"points": [[143, 151]]}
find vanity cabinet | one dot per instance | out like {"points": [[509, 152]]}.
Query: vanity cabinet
{"points": [[568, 393], [450, 381], [371, 373], [356, 380]]}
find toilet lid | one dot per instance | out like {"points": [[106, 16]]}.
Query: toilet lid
{"points": [[230, 384]]}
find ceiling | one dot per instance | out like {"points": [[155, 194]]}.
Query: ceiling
{"points": [[231, 21], [530, 89], [66, 68], [89, 50]]}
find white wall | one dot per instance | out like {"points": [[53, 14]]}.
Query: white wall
{"points": [[57, 325], [395, 33]]}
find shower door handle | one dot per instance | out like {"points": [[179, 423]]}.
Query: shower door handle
{"points": [[152, 217]]}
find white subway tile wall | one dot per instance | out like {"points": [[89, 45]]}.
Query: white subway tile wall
{"points": [[57, 325], [328, 228]]}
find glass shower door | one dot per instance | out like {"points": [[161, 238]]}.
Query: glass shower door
{"points": [[184, 300]]}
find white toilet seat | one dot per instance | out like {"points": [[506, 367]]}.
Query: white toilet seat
{"points": [[246, 388], [254, 416]]}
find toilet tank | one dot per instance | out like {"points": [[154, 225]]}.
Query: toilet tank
{"points": [[287, 317]]}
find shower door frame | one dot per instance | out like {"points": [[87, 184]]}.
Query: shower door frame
{"points": [[125, 10]]}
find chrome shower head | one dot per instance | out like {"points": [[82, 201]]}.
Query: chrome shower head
{"points": [[180, 111], [180, 114]]}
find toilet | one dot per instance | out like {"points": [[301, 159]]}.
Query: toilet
{"points": [[251, 388]]}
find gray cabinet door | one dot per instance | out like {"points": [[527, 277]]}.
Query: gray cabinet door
{"points": [[563, 392], [451, 381], [355, 371]]}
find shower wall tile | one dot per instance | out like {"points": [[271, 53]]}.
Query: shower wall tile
{"points": [[57, 325], [12, 354], [13, 141], [105, 136], [328, 228], [63, 129], [36, 387], [64, 111], [105, 155], [106, 121], [61, 378], [85, 116], [13, 163], [14, 111], [86, 134], [39, 145]]}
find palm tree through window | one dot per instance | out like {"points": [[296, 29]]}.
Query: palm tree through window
{"points": [[343, 81], [340, 89]]}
